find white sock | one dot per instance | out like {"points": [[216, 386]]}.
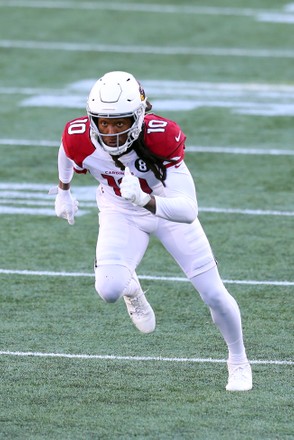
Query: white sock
{"points": [[237, 354], [134, 287], [224, 311]]}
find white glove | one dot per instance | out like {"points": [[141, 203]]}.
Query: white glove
{"points": [[66, 206], [130, 189]]}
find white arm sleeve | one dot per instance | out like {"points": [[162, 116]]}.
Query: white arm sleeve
{"points": [[179, 203], [65, 166]]}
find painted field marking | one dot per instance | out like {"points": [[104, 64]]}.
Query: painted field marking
{"points": [[7, 208], [242, 98], [188, 149], [134, 358], [147, 50], [29, 143], [260, 99], [33, 196], [238, 150], [142, 277], [134, 7], [283, 15]]}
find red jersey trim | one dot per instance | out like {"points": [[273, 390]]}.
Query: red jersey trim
{"points": [[164, 138], [76, 140]]}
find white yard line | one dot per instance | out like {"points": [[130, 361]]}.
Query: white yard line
{"points": [[189, 149], [12, 210], [142, 277], [168, 88], [261, 99], [284, 15], [246, 211], [134, 358], [238, 150], [135, 7], [7, 206], [32, 196], [151, 50], [29, 143]]}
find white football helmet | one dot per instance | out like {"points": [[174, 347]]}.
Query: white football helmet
{"points": [[117, 94]]}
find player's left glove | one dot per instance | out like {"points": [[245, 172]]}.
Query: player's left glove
{"points": [[130, 189]]}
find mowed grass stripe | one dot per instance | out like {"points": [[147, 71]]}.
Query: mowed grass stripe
{"points": [[137, 358]]}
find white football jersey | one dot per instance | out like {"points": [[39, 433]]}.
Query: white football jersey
{"points": [[161, 136]]}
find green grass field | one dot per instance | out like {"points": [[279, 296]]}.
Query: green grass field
{"points": [[74, 367]]}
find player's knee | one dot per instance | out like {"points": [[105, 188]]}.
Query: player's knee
{"points": [[212, 290], [216, 299], [111, 282], [110, 290]]}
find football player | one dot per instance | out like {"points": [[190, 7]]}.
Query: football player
{"points": [[144, 188]]}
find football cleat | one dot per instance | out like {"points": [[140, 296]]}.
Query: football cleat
{"points": [[240, 377], [141, 313]]}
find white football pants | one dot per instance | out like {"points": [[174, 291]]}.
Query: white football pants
{"points": [[122, 243]]}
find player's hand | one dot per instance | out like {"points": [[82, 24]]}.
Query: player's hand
{"points": [[66, 206], [130, 189]]}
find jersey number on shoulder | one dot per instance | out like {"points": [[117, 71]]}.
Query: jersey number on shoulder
{"points": [[115, 184], [155, 126], [77, 127]]}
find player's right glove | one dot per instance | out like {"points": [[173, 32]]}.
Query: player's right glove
{"points": [[130, 189], [66, 206]]}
